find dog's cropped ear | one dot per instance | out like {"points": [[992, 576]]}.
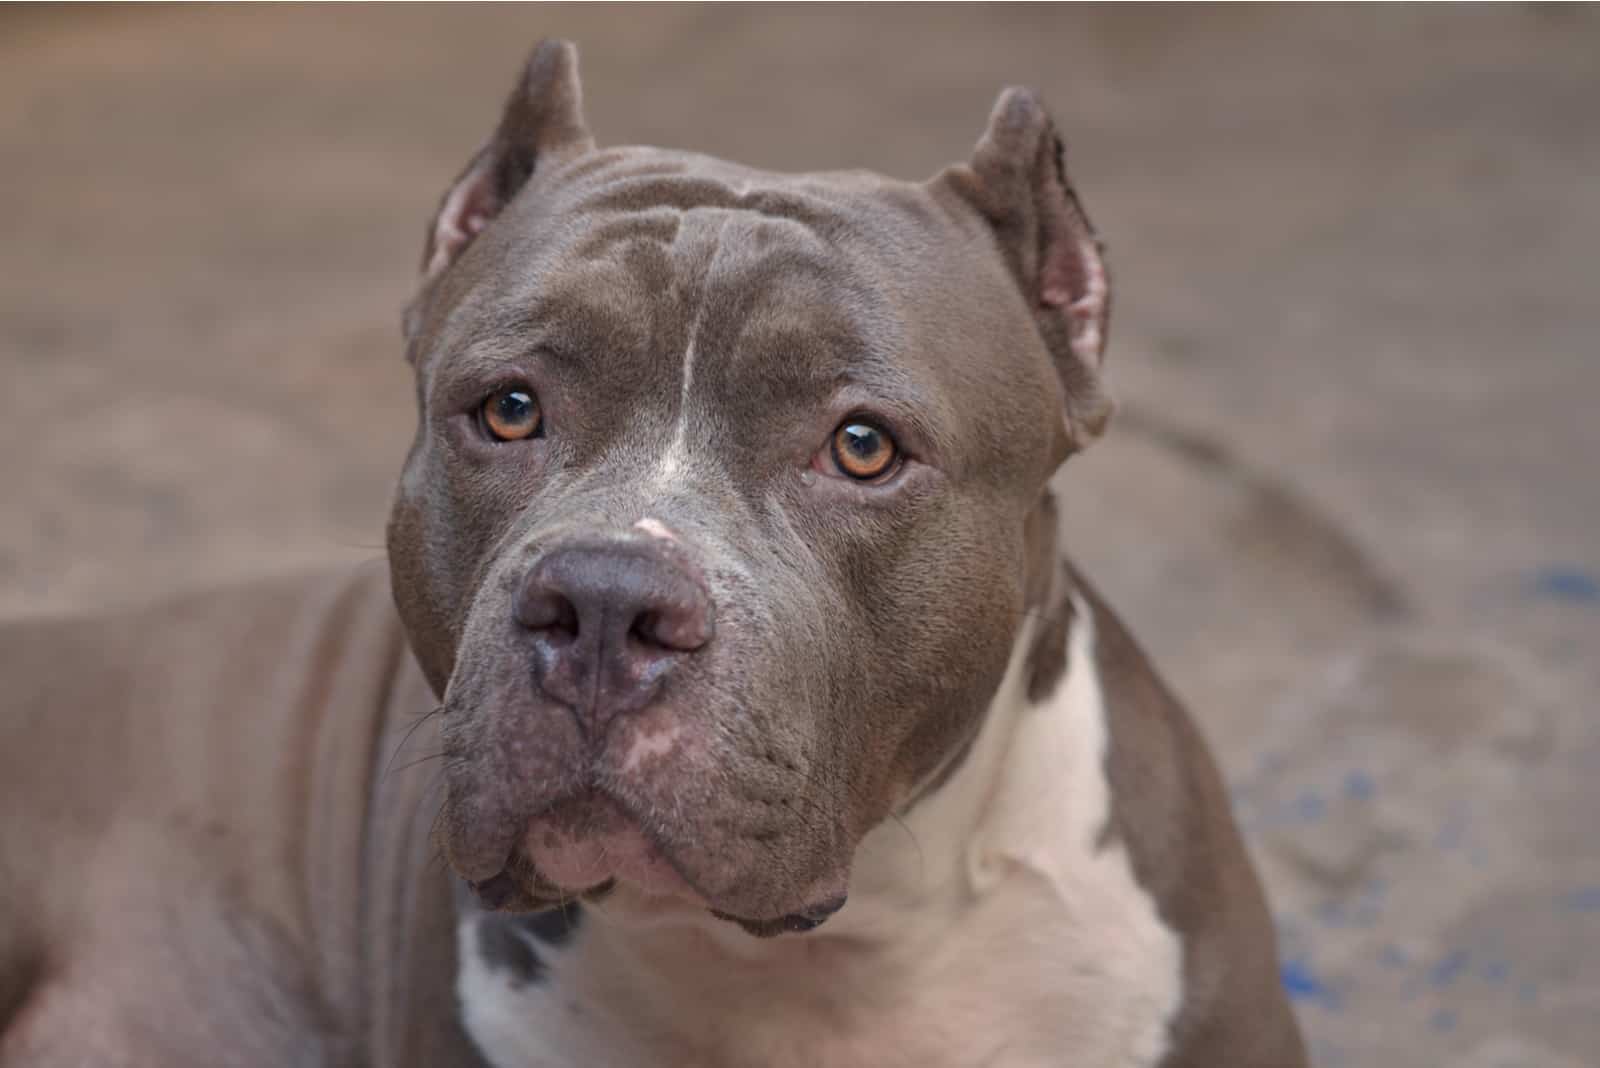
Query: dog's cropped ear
{"points": [[1017, 181], [542, 121]]}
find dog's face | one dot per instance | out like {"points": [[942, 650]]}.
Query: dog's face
{"points": [[713, 534]]}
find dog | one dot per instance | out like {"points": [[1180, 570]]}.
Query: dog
{"points": [[773, 726]]}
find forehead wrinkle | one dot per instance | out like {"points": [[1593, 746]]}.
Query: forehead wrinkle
{"points": [[772, 299], [689, 182], [775, 293], [659, 226], [614, 304], [602, 301], [777, 269]]}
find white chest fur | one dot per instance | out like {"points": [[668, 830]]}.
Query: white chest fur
{"points": [[990, 929]]}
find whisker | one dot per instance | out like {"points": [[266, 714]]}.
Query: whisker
{"points": [[405, 738], [417, 762]]}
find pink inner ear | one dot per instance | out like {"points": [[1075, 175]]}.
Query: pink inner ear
{"points": [[466, 211], [1073, 278]]}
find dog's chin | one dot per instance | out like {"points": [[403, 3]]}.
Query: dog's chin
{"points": [[590, 848], [591, 841]]}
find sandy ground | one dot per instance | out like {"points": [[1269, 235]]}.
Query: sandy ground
{"points": [[1350, 505]]}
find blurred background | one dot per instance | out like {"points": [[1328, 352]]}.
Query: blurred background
{"points": [[1350, 503]]}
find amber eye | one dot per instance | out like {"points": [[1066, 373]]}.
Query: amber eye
{"points": [[864, 452], [511, 414]]}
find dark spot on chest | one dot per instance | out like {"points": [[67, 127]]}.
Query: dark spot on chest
{"points": [[512, 943], [553, 927]]}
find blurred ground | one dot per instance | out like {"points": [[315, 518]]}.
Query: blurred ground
{"points": [[1351, 504]]}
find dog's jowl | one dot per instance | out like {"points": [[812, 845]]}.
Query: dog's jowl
{"points": [[774, 727]]}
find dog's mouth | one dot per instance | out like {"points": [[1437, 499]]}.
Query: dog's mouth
{"points": [[587, 841], [584, 846], [581, 846]]}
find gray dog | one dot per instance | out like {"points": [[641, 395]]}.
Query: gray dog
{"points": [[775, 729]]}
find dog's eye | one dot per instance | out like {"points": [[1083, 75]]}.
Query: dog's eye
{"points": [[864, 452], [511, 414]]}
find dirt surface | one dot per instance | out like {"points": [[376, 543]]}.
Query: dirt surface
{"points": [[1350, 504]]}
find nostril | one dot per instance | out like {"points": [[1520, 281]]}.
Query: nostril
{"points": [[680, 628], [644, 628], [549, 612], [609, 601]]}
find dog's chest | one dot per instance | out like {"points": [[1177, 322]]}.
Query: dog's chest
{"points": [[1017, 986]]}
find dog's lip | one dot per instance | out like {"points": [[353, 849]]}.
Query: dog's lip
{"points": [[505, 892], [589, 838], [793, 923], [525, 886]]}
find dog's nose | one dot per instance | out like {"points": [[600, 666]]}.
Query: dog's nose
{"points": [[608, 622]]}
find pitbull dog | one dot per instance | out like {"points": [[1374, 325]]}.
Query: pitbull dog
{"points": [[773, 726]]}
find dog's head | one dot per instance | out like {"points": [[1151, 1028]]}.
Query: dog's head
{"points": [[725, 499]]}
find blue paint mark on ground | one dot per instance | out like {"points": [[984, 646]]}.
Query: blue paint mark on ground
{"points": [[1448, 970], [1393, 956], [1359, 786], [1443, 1020], [1496, 972], [1566, 583], [1584, 899], [1302, 983], [1310, 806]]}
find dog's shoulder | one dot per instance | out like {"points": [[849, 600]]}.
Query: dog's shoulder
{"points": [[1170, 811]]}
